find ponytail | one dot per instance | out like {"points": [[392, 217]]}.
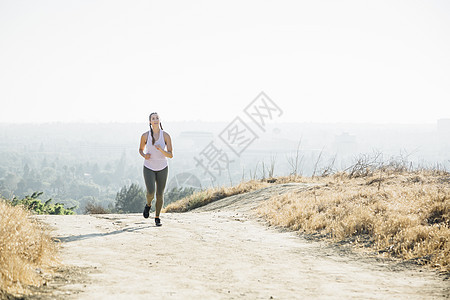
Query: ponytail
{"points": [[151, 134]]}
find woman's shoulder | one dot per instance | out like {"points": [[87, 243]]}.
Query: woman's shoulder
{"points": [[144, 135]]}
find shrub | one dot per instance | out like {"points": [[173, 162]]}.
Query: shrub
{"points": [[34, 204], [95, 209]]}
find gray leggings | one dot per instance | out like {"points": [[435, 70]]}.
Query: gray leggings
{"points": [[160, 177]]}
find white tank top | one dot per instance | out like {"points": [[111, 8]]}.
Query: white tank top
{"points": [[157, 160]]}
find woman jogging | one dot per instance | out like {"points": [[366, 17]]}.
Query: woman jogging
{"points": [[155, 147]]}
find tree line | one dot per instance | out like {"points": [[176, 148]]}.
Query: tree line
{"points": [[86, 187]]}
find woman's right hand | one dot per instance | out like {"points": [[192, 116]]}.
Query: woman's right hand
{"points": [[147, 156]]}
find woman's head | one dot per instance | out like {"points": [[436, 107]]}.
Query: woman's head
{"points": [[154, 122], [154, 118]]}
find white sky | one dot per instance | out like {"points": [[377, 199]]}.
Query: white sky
{"points": [[320, 61]]}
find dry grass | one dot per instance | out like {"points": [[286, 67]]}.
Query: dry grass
{"points": [[27, 253], [202, 198], [392, 210], [401, 214]]}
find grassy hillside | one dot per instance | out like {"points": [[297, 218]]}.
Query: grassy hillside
{"points": [[404, 215], [388, 210]]}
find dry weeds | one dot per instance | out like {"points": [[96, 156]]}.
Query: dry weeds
{"points": [[400, 214], [202, 198], [27, 253], [390, 209]]}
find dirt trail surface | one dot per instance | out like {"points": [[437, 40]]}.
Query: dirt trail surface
{"points": [[220, 251]]}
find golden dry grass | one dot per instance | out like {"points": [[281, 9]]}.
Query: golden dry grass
{"points": [[202, 198], [401, 214], [27, 253]]}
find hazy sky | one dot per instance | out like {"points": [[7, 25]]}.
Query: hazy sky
{"points": [[320, 61]]}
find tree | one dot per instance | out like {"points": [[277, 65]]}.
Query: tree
{"points": [[26, 170], [120, 166], [178, 193], [9, 183], [130, 199]]}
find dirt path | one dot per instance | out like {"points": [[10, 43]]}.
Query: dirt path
{"points": [[220, 252]]}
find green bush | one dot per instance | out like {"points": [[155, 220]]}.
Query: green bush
{"points": [[47, 208]]}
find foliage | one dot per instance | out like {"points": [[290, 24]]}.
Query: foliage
{"points": [[34, 204], [130, 199], [77, 162]]}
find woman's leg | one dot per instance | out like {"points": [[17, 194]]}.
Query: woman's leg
{"points": [[161, 179], [149, 178]]}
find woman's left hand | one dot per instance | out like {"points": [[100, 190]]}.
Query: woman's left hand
{"points": [[159, 147]]}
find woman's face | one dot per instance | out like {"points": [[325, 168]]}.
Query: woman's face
{"points": [[154, 120]]}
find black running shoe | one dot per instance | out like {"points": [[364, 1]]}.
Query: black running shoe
{"points": [[158, 221], [146, 211]]}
